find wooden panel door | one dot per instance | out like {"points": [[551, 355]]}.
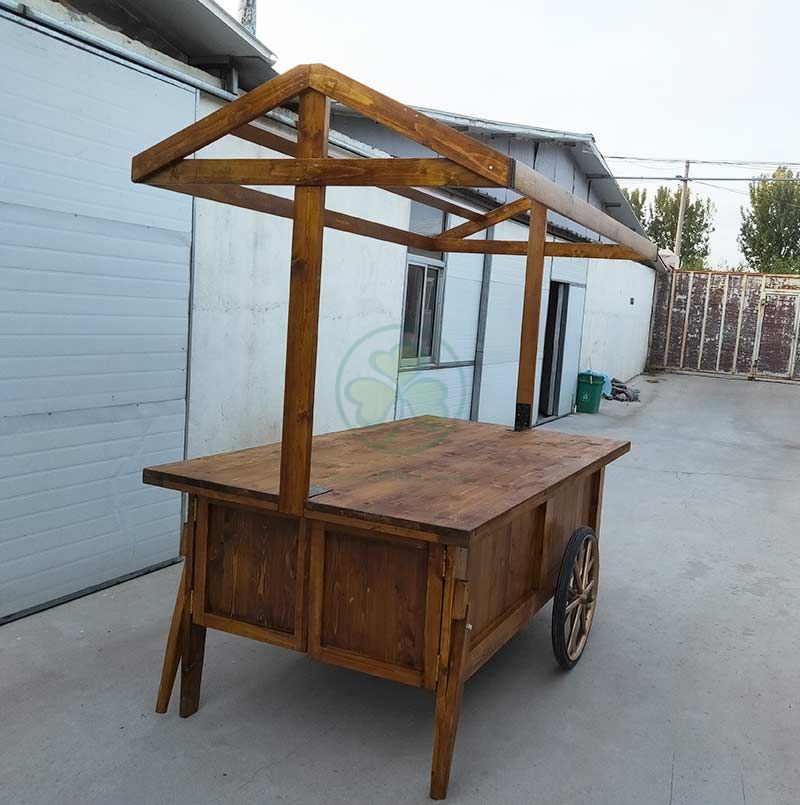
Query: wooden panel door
{"points": [[777, 336]]}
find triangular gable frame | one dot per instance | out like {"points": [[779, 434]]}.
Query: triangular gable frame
{"points": [[462, 161]]}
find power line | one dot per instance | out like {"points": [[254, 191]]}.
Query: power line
{"points": [[679, 178], [731, 162]]}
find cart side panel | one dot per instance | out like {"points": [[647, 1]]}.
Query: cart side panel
{"points": [[375, 603], [513, 569], [573, 506], [251, 574], [503, 569]]}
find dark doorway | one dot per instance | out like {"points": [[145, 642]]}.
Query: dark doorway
{"points": [[553, 358]]}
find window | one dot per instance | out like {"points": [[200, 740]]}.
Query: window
{"points": [[424, 292], [421, 317]]}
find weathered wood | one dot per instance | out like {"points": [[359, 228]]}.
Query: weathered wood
{"points": [[318, 172], [441, 477], [495, 216], [193, 635], [539, 188], [450, 685], [172, 655], [304, 289], [219, 123], [527, 401], [260, 136], [420, 128], [598, 251], [194, 646], [281, 207]]}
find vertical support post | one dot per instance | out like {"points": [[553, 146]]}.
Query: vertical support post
{"points": [[531, 309], [304, 289], [453, 646]]}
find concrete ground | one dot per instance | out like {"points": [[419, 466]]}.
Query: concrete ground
{"points": [[689, 691]]}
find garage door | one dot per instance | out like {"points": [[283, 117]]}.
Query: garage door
{"points": [[94, 280]]}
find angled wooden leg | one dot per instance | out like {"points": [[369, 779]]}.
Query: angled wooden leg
{"points": [[172, 655], [194, 646], [448, 693], [193, 636]]}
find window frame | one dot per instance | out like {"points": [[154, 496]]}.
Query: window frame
{"points": [[428, 264]]}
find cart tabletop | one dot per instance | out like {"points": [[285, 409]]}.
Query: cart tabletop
{"points": [[444, 477]]}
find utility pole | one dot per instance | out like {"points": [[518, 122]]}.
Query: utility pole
{"points": [[247, 15], [681, 214]]}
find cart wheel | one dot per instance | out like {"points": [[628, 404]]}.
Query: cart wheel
{"points": [[576, 597]]}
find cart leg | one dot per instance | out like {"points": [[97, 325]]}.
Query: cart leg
{"points": [[172, 655], [448, 701], [194, 646]]}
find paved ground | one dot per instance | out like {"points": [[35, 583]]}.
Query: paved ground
{"points": [[689, 691]]}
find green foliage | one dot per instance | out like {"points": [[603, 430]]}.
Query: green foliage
{"points": [[660, 221], [769, 236], [637, 199]]}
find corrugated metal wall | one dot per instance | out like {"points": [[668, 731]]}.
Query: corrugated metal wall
{"points": [[733, 323], [94, 280]]}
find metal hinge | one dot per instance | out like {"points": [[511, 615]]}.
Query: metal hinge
{"points": [[444, 564]]}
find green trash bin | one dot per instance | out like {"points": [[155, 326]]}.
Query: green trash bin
{"points": [[590, 391]]}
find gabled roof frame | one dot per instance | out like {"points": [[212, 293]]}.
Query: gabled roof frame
{"points": [[462, 162]]}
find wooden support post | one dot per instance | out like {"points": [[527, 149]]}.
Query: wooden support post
{"points": [[531, 309], [452, 669], [303, 328], [193, 636], [172, 655]]}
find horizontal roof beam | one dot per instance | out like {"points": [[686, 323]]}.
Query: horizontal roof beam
{"points": [[535, 186], [281, 207], [599, 251], [320, 172]]}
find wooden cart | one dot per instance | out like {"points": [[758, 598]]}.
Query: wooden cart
{"points": [[411, 550]]}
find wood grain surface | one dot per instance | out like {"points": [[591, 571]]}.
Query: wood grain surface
{"points": [[443, 478]]}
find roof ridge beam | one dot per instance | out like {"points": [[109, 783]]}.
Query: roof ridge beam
{"points": [[416, 126]]}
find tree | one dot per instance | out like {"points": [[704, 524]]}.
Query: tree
{"points": [[660, 221], [637, 199], [769, 236]]}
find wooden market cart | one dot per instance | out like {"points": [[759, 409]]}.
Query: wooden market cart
{"points": [[412, 550]]}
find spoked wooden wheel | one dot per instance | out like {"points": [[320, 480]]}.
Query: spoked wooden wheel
{"points": [[575, 599]]}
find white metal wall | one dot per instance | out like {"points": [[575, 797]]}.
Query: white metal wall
{"points": [[94, 277], [240, 295], [503, 322], [615, 331]]}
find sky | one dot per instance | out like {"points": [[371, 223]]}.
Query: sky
{"points": [[705, 80]]}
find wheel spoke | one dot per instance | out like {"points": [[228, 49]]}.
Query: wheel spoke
{"points": [[576, 575], [571, 605], [573, 635], [587, 554]]}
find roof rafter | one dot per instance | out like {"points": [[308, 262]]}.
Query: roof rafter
{"points": [[467, 162]]}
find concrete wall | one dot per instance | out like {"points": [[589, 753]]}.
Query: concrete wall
{"points": [[239, 310], [615, 332]]}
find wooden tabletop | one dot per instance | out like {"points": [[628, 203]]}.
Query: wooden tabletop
{"points": [[442, 476]]}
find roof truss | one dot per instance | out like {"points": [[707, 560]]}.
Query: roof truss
{"points": [[461, 162]]}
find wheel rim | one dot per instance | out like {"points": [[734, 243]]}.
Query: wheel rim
{"points": [[581, 598]]}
